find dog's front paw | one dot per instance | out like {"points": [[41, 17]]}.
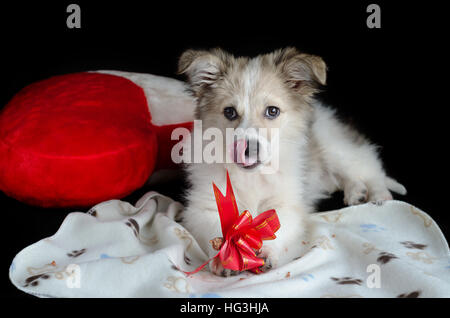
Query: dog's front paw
{"points": [[217, 268], [269, 257]]}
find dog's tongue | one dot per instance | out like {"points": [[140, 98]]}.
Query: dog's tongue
{"points": [[239, 147]]}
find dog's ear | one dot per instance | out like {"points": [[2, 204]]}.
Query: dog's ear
{"points": [[304, 73], [203, 68]]}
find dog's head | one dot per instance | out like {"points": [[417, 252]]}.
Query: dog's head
{"points": [[252, 94]]}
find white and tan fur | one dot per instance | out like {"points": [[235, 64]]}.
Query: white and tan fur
{"points": [[317, 153]]}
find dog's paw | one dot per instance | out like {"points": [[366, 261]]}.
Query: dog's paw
{"points": [[355, 193], [216, 268], [269, 257], [378, 196], [359, 192]]}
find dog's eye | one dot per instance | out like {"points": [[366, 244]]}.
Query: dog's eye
{"points": [[272, 112], [230, 113]]}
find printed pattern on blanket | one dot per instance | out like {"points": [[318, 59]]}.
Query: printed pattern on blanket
{"points": [[120, 250]]}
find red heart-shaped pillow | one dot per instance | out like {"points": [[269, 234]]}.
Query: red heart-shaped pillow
{"points": [[76, 140]]}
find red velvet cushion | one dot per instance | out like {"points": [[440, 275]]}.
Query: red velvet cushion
{"points": [[76, 140]]}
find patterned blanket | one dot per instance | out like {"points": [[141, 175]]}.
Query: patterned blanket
{"points": [[121, 250]]}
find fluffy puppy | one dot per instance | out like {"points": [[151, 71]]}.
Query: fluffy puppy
{"points": [[315, 153]]}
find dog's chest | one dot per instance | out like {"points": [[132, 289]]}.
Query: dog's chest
{"points": [[257, 195]]}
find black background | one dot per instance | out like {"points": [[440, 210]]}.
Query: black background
{"points": [[389, 82]]}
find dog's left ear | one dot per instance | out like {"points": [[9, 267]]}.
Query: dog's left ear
{"points": [[302, 72]]}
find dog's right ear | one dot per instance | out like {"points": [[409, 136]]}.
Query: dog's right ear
{"points": [[203, 68]]}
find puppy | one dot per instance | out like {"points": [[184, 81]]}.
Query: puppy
{"points": [[316, 154]]}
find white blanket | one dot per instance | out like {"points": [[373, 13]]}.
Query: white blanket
{"points": [[118, 250]]}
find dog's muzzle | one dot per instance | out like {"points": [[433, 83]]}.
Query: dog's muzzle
{"points": [[246, 153]]}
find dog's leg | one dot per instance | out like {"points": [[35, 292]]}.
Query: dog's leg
{"points": [[351, 160], [288, 243], [362, 176], [204, 225]]}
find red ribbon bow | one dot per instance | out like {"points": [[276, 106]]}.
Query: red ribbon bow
{"points": [[243, 234]]}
